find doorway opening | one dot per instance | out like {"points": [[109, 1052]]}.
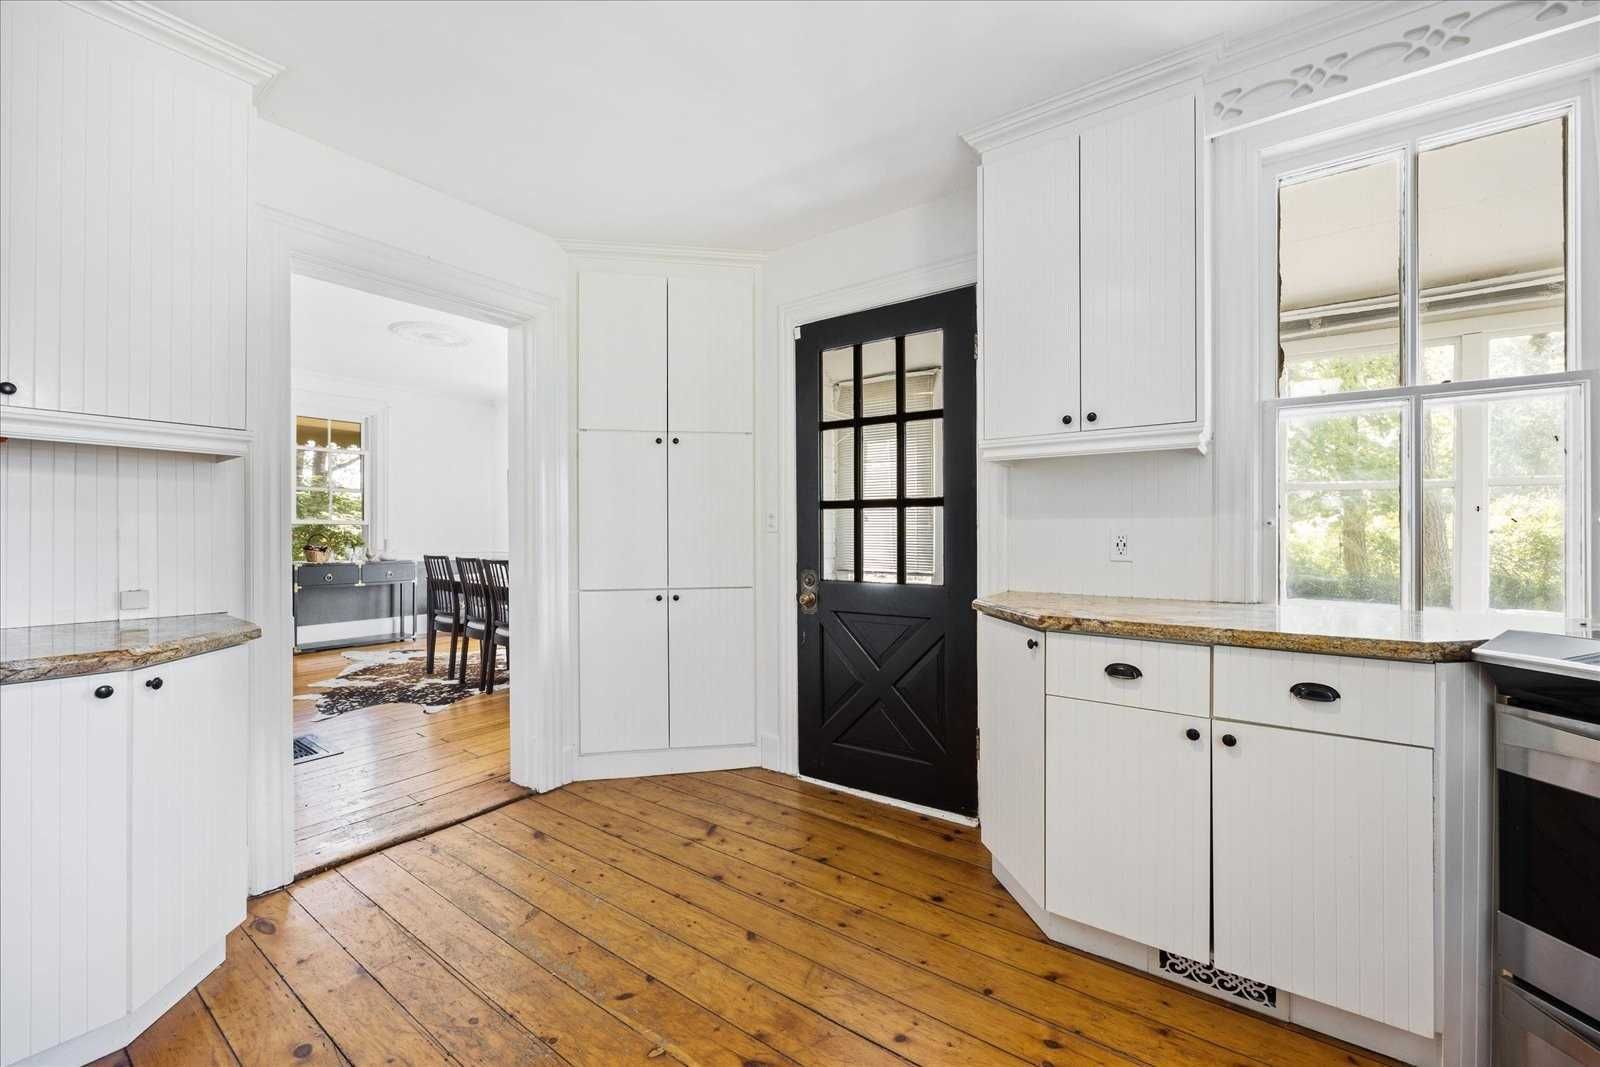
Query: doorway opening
{"points": [[886, 536], [400, 452]]}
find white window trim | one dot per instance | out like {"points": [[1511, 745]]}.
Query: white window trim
{"points": [[1410, 136]]}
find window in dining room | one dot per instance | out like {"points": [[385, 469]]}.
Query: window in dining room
{"points": [[330, 486]]}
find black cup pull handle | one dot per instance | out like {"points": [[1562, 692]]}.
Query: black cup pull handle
{"points": [[104, 692], [1192, 734], [8, 388], [1315, 692], [1125, 671]]}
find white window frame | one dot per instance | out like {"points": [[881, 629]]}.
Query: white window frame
{"points": [[1404, 140], [373, 420]]}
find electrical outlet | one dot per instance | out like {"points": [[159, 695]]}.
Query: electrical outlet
{"points": [[1121, 551]]}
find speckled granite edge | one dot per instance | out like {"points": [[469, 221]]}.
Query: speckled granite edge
{"points": [[1375, 647], [40, 653]]}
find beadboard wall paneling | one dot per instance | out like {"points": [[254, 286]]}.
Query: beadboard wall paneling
{"points": [[78, 523], [1062, 514], [122, 201]]}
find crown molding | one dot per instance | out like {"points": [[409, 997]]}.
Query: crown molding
{"points": [[164, 28], [710, 257], [1191, 62]]}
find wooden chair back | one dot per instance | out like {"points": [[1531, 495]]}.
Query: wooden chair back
{"points": [[441, 587], [498, 574], [475, 592]]}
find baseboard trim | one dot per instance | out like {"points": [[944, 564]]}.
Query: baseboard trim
{"points": [[588, 767]]}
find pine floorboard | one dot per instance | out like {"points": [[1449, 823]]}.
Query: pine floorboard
{"points": [[728, 918]]}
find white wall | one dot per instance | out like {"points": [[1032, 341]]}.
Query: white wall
{"points": [[439, 464]]}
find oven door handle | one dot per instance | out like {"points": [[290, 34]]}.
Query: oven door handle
{"points": [[1522, 1012], [1535, 748]]}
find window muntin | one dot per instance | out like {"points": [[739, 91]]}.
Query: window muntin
{"points": [[330, 482], [1481, 297], [882, 459]]}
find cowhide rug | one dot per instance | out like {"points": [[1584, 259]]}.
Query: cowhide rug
{"points": [[395, 676]]}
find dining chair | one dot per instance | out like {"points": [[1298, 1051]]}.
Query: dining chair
{"points": [[498, 574], [444, 609], [478, 621]]}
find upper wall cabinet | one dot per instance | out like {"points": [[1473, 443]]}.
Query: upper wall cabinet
{"points": [[1089, 275], [124, 211], [671, 353]]}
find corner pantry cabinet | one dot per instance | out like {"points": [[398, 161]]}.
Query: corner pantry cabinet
{"points": [[122, 828], [124, 217], [1089, 280], [666, 518]]}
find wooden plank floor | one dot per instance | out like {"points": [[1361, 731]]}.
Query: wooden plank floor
{"points": [[738, 917], [401, 772]]}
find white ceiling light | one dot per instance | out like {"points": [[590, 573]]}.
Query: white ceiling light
{"points": [[436, 334]]}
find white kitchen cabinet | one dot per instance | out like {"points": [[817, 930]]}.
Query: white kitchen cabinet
{"points": [[1011, 748], [64, 876], [1090, 283], [1324, 869], [125, 214], [1127, 822], [622, 509], [622, 351], [1138, 269], [712, 686], [710, 339], [1030, 290], [710, 510], [622, 670]]}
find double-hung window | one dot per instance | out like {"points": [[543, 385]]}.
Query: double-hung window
{"points": [[1430, 420], [330, 485]]}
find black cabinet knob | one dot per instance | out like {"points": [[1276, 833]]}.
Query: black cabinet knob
{"points": [[1315, 692], [8, 388], [1066, 420], [658, 598], [674, 440], [674, 596], [104, 692], [154, 683], [1091, 416], [1228, 740], [1126, 671], [1192, 734], [1032, 643], [658, 440]]}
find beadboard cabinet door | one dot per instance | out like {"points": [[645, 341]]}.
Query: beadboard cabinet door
{"points": [[188, 740], [710, 510], [123, 288], [710, 354], [622, 670], [1029, 364], [712, 658], [1324, 869], [1011, 736], [1138, 269], [622, 351], [63, 860], [622, 509], [1127, 822]]}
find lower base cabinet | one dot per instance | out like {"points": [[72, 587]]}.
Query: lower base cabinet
{"points": [[1011, 749], [622, 670], [122, 836], [1324, 869], [711, 657], [1128, 822]]}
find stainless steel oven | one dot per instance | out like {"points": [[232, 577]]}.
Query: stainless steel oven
{"points": [[1547, 841]]}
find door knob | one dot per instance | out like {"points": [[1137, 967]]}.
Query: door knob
{"points": [[807, 601], [154, 683], [1192, 734], [1228, 740]]}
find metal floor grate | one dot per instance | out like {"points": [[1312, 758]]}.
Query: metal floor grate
{"points": [[307, 747]]}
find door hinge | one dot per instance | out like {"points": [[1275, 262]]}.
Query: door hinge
{"points": [[976, 347], [977, 745]]}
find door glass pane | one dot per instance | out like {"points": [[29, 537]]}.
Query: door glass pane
{"points": [[1495, 522], [925, 458], [925, 546], [925, 371], [1339, 281], [839, 545], [1341, 504], [310, 433], [1491, 241], [880, 545], [839, 464], [877, 378], [880, 461], [838, 389]]}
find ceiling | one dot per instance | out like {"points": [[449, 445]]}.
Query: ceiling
{"points": [[736, 125], [345, 333]]}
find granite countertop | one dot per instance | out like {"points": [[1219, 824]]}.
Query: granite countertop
{"points": [[35, 653], [1433, 636]]}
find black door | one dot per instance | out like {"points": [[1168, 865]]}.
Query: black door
{"points": [[884, 416]]}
